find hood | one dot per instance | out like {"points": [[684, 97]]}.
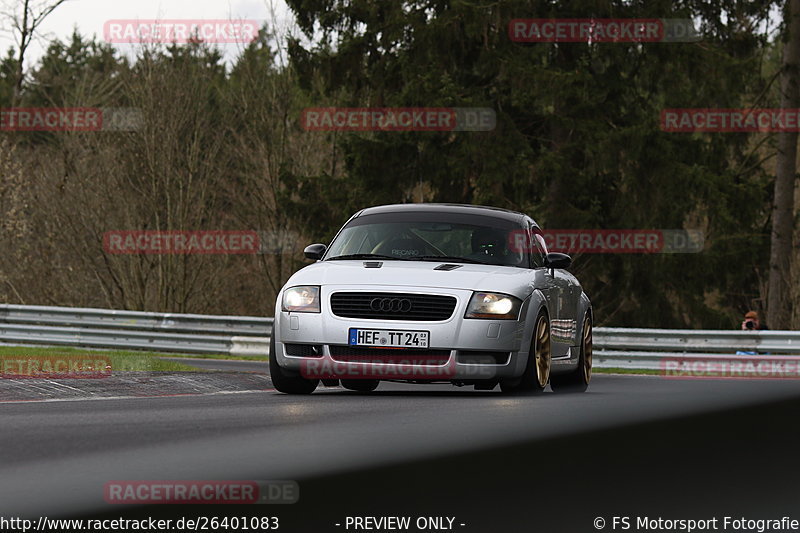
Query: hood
{"points": [[415, 274]]}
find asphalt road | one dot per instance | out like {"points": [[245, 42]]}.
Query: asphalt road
{"points": [[486, 457]]}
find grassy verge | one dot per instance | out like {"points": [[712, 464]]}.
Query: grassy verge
{"points": [[627, 371], [223, 356], [121, 360]]}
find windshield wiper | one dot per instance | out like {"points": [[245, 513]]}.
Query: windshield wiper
{"points": [[365, 256], [445, 258]]}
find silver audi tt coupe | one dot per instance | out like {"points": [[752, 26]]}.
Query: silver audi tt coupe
{"points": [[433, 293]]}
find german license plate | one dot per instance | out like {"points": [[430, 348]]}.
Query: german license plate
{"points": [[388, 338]]}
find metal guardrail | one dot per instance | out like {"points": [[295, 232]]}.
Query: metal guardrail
{"points": [[693, 341], [649, 349], [134, 330], [135, 320], [241, 335]]}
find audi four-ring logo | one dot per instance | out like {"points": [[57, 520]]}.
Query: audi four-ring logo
{"points": [[391, 305]]}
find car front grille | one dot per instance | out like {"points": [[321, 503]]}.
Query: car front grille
{"points": [[410, 356], [392, 306]]}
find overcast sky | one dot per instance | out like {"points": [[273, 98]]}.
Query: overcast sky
{"points": [[90, 15]]}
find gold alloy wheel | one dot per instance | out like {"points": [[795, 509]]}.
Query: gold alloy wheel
{"points": [[542, 348], [587, 349]]}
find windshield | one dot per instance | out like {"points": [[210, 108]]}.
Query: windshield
{"points": [[429, 237]]}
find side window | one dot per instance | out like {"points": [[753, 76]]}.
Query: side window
{"points": [[538, 247]]}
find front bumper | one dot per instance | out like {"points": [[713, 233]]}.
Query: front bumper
{"points": [[316, 344]]}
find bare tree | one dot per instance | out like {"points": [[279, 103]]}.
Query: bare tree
{"points": [[779, 295], [26, 17], [271, 150]]}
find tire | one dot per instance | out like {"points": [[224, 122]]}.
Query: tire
{"points": [[537, 370], [578, 380], [286, 383], [360, 385]]}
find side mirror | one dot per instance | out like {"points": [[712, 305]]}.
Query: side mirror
{"points": [[557, 260], [315, 251]]}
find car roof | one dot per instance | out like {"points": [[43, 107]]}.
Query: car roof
{"points": [[446, 208]]}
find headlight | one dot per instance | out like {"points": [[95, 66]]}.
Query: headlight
{"points": [[493, 305], [301, 299]]}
